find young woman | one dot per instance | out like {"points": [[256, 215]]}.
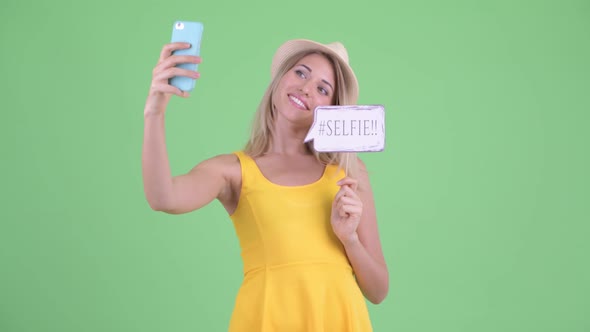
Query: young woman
{"points": [[305, 220]]}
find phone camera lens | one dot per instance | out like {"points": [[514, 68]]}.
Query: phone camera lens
{"points": [[179, 25]]}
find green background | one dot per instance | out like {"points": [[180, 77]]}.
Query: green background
{"points": [[482, 191]]}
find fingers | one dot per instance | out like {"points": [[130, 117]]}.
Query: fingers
{"points": [[174, 60], [347, 191], [168, 60], [349, 210], [171, 47], [347, 202], [167, 68], [349, 206], [348, 181], [167, 88], [174, 71], [167, 64]]}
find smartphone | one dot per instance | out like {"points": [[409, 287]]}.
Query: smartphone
{"points": [[186, 32]]}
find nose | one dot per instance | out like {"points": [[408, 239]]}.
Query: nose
{"points": [[305, 88]]}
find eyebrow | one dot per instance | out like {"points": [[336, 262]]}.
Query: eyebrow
{"points": [[328, 83]]}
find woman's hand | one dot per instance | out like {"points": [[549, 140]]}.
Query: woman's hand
{"points": [[160, 89], [347, 210]]}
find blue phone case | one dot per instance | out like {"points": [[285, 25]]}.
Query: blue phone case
{"points": [[186, 32]]}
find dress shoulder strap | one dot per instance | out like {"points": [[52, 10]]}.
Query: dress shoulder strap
{"points": [[249, 167]]}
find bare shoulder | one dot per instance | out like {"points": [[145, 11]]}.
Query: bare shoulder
{"points": [[361, 165], [223, 160], [226, 165]]}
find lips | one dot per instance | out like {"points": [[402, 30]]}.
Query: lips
{"points": [[295, 100]]}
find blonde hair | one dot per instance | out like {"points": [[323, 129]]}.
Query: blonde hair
{"points": [[263, 125]]}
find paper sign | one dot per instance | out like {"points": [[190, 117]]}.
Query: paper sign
{"points": [[354, 128]]}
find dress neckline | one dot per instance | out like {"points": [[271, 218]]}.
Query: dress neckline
{"points": [[324, 172]]}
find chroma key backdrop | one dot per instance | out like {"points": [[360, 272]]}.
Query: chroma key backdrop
{"points": [[482, 189]]}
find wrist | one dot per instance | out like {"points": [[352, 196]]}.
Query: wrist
{"points": [[151, 113], [351, 241]]}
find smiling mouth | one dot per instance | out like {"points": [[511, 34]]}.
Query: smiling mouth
{"points": [[298, 102]]}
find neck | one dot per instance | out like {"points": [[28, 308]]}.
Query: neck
{"points": [[288, 139]]}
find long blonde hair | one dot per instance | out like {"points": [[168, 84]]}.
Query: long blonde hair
{"points": [[263, 125]]}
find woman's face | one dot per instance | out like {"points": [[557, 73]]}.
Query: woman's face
{"points": [[310, 83]]}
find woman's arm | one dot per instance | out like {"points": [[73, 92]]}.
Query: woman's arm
{"points": [[205, 182], [185, 193], [355, 223]]}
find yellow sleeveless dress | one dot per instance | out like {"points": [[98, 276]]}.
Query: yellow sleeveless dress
{"points": [[296, 273]]}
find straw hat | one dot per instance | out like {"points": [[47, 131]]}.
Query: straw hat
{"points": [[335, 49]]}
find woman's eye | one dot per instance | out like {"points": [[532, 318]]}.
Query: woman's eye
{"points": [[300, 73], [323, 91]]}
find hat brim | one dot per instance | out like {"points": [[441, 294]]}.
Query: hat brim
{"points": [[292, 47]]}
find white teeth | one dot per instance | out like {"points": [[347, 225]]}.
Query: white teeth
{"points": [[297, 101]]}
